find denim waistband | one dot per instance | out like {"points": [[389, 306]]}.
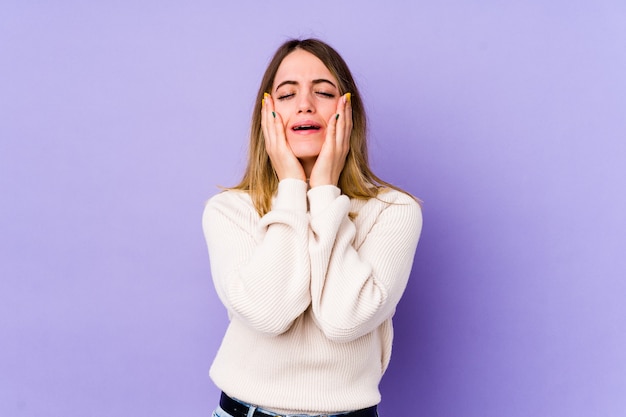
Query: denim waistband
{"points": [[237, 408]]}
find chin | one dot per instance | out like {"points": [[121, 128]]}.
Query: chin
{"points": [[305, 151], [306, 156]]}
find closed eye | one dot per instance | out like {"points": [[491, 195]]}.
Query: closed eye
{"points": [[285, 96], [325, 94]]}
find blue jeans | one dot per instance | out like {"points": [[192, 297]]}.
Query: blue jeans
{"points": [[218, 412]]}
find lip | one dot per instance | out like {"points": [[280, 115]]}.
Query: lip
{"points": [[313, 123]]}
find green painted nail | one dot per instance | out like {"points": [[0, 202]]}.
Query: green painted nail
{"points": [[337, 117], [274, 114]]}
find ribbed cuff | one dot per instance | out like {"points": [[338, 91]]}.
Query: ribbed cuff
{"points": [[321, 197], [291, 195]]}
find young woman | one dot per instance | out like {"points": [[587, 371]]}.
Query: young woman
{"points": [[311, 252]]}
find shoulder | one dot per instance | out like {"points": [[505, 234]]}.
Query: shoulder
{"points": [[390, 213], [393, 204], [229, 197], [388, 198], [393, 196], [230, 203]]}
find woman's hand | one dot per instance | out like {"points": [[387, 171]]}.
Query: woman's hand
{"points": [[332, 158], [283, 160]]}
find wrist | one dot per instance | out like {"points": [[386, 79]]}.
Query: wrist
{"points": [[318, 181]]}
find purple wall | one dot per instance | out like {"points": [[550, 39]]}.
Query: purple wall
{"points": [[507, 119]]}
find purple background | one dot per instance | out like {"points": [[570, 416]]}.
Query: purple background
{"points": [[506, 118]]}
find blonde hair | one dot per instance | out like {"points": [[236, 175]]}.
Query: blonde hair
{"points": [[356, 180]]}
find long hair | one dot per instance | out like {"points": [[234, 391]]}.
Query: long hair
{"points": [[356, 180]]}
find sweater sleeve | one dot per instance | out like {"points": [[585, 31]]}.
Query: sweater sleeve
{"points": [[260, 267], [355, 289]]}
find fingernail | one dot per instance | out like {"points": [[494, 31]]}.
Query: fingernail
{"points": [[337, 117], [263, 103], [265, 95], [274, 114], [348, 96]]}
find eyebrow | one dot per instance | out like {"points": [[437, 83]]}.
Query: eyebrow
{"points": [[316, 81]]}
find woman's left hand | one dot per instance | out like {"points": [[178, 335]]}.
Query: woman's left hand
{"points": [[332, 157]]}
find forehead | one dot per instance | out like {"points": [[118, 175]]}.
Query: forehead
{"points": [[302, 66]]}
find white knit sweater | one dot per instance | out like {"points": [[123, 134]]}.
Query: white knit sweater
{"points": [[310, 294]]}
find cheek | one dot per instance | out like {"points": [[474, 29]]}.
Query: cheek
{"points": [[328, 108], [283, 107]]}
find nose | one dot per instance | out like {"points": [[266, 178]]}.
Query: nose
{"points": [[306, 104]]}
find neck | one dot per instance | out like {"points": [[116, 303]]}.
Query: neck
{"points": [[307, 165]]}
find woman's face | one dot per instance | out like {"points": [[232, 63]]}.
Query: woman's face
{"points": [[305, 95]]}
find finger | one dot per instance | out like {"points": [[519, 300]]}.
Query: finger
{"points": [[276, 138], [275, 125], [270, 121], [347, 119], [341, 121], [344, 124], [330, 142], [279, 128]]}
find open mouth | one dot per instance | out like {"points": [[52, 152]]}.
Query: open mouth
{"points": [[305, 127]]}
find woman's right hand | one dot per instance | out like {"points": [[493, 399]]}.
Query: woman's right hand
{"points": [[283, 159]]}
